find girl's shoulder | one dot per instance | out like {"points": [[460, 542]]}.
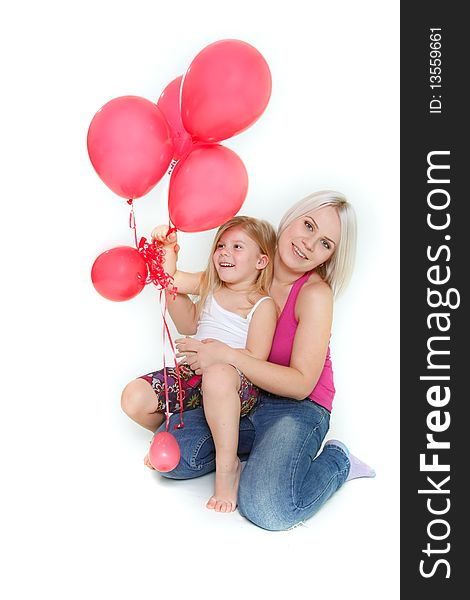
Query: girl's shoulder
{"points": [[255, 297], [262, 303], [260, 300]]}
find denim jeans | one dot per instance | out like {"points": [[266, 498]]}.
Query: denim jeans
{"points": [[285, 481]]}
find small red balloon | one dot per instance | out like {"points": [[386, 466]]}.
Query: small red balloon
{"points": [[207, 188], [119, 274], [164, 453], [169, 104]]}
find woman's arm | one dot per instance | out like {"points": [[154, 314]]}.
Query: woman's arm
{"points": [[314, 308]]}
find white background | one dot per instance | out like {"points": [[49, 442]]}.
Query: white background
{"points": [[81, 516]]}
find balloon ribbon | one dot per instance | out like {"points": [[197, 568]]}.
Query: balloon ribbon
{"points": [[154, 253]]}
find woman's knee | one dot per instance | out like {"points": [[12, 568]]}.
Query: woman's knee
{"points": [[264, 508], [137, 397]]}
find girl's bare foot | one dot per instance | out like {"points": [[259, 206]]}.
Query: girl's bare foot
{"points": [[147, 462], [227, 479]]}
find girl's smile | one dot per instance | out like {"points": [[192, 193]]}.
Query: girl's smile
{"points": [[237, 257]]}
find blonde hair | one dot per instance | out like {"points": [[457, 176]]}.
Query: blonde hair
{"points": [[263, 234], [338, 269]]}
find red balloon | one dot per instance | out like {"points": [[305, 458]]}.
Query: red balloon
{"points": [[225, 90], [169, 104], [119, 274], [129, 144], [164, 453], [207, 188]]}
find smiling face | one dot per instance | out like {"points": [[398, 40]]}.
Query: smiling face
{"points": [[310, 240], [237, 258]]}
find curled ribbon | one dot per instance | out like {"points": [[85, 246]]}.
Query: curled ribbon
{"points": [[153, 253]]}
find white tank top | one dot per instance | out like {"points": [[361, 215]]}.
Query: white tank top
{"points": [[221, 324]]}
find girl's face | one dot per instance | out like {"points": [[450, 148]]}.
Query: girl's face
{"points": [[310, 240], [237, 258]]}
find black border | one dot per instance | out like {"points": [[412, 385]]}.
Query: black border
{"points": [[423, 132]]}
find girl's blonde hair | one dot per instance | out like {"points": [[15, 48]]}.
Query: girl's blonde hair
{"points": [[263, 234], [338, 269]]}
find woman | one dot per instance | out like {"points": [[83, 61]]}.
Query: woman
{"points": [[285, 479]]}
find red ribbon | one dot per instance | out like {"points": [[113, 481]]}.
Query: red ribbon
{"points": [[154, 253], [180, 391]]}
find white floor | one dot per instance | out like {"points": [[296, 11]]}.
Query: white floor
{"points": [[88, 520]]}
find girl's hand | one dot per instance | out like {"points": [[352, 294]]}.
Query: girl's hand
{"points": [[187, 350], [202, 354], [159, 233]]}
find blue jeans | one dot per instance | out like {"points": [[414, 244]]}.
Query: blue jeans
{"points": [[285, 481]]}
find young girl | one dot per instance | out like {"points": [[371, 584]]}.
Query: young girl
{"points": [[233, 307]]}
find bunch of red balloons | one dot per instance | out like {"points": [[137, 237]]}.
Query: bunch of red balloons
{"points": [[132, 142]]}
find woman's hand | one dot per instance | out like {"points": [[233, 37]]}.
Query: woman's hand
{"points": [[202, 354]]}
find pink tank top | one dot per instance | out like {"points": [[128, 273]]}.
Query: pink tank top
{"points": [[281, 350]]}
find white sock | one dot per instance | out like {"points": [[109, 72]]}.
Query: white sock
{"points": [[358, 468]]}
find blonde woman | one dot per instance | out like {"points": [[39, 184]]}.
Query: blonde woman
{"points": [[287, 478], [234, 307]]}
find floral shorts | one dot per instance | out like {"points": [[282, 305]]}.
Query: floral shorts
{"points": [[191, 390]]}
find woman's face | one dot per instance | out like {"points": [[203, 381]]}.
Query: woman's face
{"points": [[310, 240]]}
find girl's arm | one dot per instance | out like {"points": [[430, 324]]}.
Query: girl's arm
{"points": [[314, 310], [187, 283], [180, 307], [261, 330], [182, 311]]}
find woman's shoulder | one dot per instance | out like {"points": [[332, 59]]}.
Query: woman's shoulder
{"points": [[314, 291]]}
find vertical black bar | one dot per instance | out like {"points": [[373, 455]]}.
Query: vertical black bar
{"points": [[435, 258]]}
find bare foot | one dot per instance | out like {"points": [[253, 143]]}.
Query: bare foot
{"points": [[147, 462], [226, 488]]}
